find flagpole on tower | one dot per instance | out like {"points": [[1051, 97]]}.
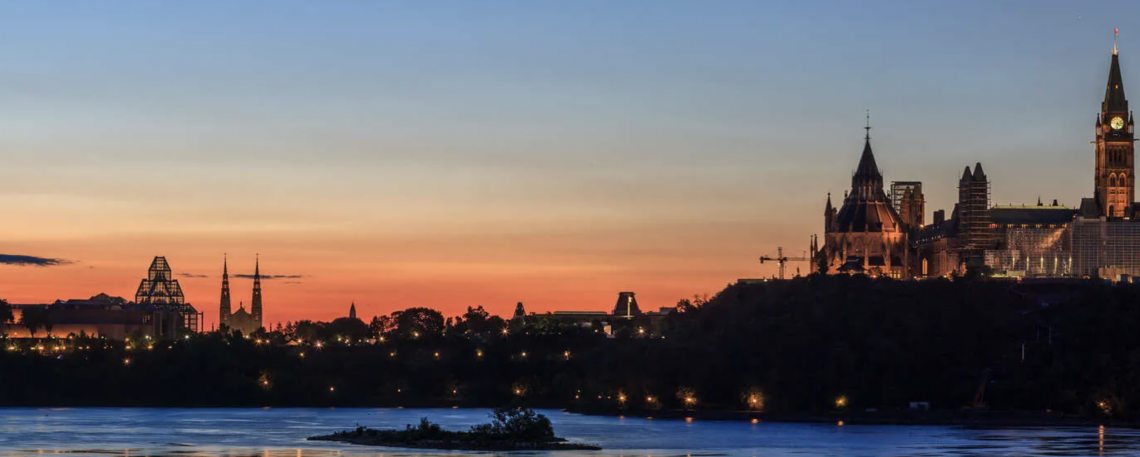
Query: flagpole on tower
{"points": [[1115, 34]]}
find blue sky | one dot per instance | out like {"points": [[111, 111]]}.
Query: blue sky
{"points": [[629, 135]]}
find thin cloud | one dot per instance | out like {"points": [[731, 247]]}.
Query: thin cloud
{"points": [[245, 276], [31, 261], [191, 275]]}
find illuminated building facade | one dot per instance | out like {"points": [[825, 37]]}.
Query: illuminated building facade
{"points": [[1100, 238], [101, 315], [866, 234]]}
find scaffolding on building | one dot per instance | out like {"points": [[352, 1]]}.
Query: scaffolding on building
{"points": [[974, 224], [907, 200]]}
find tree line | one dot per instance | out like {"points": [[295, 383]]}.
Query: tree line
{"points": [[807, 345]]}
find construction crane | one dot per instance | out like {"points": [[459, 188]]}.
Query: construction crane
{"points": [[781, 260]]}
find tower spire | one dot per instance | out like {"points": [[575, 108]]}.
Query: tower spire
{"points": [[867, 137], [224, 310], [1115, 34], [255, 304]]}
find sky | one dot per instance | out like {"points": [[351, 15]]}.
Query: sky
{"points": [[456, 153]]}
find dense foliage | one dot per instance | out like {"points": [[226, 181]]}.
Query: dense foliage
{"points": [[806, 345], [511, 428]]}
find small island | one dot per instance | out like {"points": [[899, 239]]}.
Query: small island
{"points": [[510, 429]]}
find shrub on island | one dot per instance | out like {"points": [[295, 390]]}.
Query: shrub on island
{"points": [[511, 428]]}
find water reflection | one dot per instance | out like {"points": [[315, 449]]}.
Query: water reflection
{"points": [[281, 432]]}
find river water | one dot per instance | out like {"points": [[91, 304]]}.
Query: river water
{"points": [[282, 432]]}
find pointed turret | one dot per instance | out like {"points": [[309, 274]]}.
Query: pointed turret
{"points": [[867, 180], [255, 305], [979, 175], [352, 311], [867, 169], [828, 216], [225, 310], [1114, 92], [967, 176]]}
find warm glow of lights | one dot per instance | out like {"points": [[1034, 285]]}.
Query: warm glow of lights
{"points": [[841, 401], [392, 354], [754, 400], [332, 389], [840, 423], [127, 361], [478, 353], [506, 332], [689, 419], [415, 334], [436, 355], [523, 354], [566, 354], [319, 344], [755, 420], [381, 339], [649, 399], [302, 355], [621, 398]]}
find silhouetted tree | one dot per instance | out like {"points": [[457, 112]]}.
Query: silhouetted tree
{"points": [[6, 315], [422, 321], [34, 318], [347, 327], [381, 325]]}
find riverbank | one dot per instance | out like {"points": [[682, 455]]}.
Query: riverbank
{"points": [[972, 418]]}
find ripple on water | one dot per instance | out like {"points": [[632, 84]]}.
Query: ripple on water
{"points": [[282, 432]]}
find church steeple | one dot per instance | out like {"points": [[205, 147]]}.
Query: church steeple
{"points": [[255, 305], [224, 310]]}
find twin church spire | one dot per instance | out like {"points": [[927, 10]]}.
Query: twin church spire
{"points": [[246, 322]]}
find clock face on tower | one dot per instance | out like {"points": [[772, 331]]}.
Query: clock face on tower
{"points": [[1117, 123]]}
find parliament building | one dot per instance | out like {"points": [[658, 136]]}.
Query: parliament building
{"points": [[880, 234]]}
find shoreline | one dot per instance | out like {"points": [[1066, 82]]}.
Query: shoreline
{"points": [[982, 418], [901, 418]]}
